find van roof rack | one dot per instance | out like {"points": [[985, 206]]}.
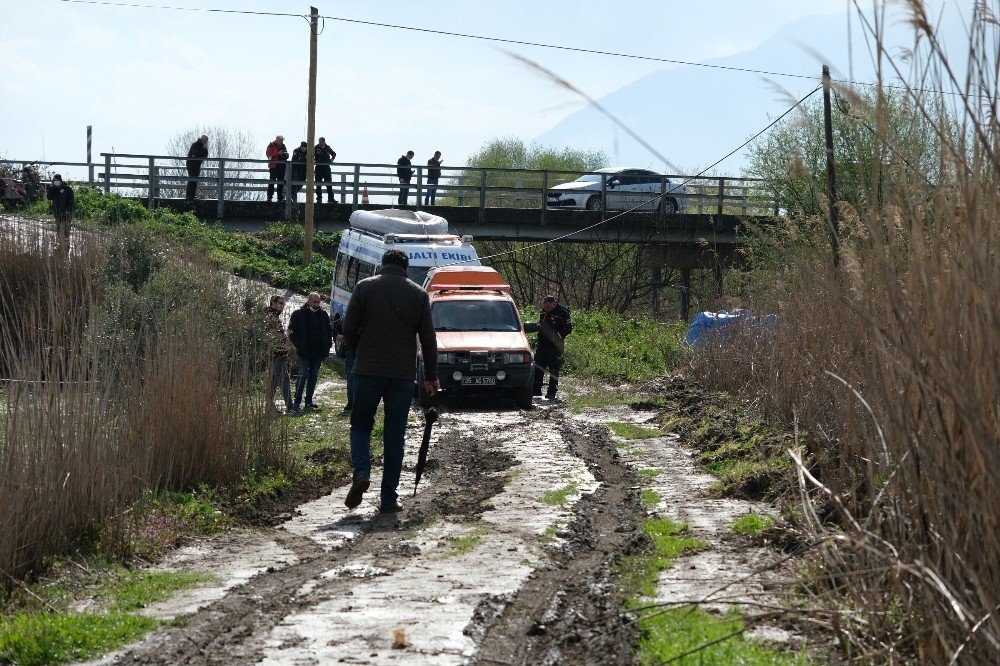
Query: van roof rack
{"points": [[498, 288]]}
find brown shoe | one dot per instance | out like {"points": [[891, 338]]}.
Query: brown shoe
{"points": [[357, 490]]}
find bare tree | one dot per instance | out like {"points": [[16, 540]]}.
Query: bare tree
{"points": [[234, 145]]}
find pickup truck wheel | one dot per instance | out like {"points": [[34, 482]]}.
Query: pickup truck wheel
{"points": [[522, 398], [669, 206], [594, 203]]}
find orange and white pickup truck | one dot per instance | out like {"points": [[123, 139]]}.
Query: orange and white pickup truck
{"points": [[482, 348]]}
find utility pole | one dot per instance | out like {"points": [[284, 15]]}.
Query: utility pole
{"points": [[311, 137], [831, 172]]}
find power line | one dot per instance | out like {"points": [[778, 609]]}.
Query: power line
{"points": [[502, 40]]}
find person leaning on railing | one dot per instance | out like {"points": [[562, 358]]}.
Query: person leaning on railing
{"points": [[277, 155], [197, 153]]}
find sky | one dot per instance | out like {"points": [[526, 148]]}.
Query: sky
{"points": [[141, 76]]}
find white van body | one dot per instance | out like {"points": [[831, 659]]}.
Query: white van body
{"points": [[362, 246]]}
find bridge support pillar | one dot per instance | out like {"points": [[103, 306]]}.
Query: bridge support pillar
{"points": [[657, 271], [686, 294]]}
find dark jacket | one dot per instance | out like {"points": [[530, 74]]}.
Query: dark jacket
{"points": [[559, 320], [310, 332], [325, 154], [384, 317], [198, 152], [434, 168], [278, 339], [62, 201], [403, 169], [299, 163]]}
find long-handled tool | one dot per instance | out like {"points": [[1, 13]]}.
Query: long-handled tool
{"points": [[430, 416]]}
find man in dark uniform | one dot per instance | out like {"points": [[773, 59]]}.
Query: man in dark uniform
{"points": [[63, 201], [299, 157], [324, 155], [404, 173], [553, 327], [197, 153], [309, 329]]}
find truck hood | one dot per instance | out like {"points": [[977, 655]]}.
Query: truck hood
{"points": [[449, 341]]}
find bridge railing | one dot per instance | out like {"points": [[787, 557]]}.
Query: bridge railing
{"points": [[225, 179]]}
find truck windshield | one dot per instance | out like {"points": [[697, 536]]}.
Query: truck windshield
{"points": [[474, 316]]}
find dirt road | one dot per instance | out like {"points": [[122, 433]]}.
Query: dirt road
{"points": [[505, 556]]}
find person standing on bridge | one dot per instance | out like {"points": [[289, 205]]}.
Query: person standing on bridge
{"points": [[553, 326], [404, 173], [197, 153], [277, 155], [384, 318], [324, 155], [433, 175], [63, 201], [299, 157]]}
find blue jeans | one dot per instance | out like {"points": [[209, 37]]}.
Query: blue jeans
{"points": [[396, 394], [279, 377], [432, 187], [348, 366], [308, 372]]}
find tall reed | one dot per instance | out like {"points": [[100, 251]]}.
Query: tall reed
{"points": [[890, 367], [110, 388]]}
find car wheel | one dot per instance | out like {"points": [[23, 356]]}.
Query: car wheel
{"points": [[669, 206], [594, 203], [522, 397]]}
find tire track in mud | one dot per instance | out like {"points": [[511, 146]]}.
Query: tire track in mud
{"points": [[318, 606], [568, 611]]}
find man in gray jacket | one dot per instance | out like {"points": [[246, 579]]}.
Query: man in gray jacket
{"points": [[384, 318]]}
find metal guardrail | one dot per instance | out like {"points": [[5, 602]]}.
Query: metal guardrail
{"points": [[224, 179]]}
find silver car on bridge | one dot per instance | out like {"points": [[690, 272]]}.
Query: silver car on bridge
{"points": [[624, 189]]}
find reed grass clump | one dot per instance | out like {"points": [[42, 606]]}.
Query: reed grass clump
{"points": [[889, 366], [121, 370]]}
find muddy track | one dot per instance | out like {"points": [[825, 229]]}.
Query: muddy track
{"points": [[568, 610]]}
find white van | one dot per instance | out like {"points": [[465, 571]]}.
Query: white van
{"points": [[424, 238]]}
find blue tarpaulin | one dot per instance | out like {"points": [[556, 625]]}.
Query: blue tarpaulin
{"points": [[707, 324]]}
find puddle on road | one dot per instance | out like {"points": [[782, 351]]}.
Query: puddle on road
{"points": [[452, 566]]}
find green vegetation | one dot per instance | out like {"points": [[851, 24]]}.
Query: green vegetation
{"points": [[273, 256], [650, 498], [668, 540], [751, 524], [58, 634], [648, 473], [634, 431], [703, 638], [558, 496], [465, 543]]}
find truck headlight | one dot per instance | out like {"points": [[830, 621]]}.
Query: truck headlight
{"points": [[446, 358], [517, 358]]}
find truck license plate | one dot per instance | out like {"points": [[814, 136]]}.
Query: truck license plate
{"points": [[479, 381]]}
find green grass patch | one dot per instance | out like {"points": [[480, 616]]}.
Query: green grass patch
{"points": [[648, 473], [633, 431], [650, 498], [53, 638], [466, 542], [638, 574], [558, 496], [751, 524], [694, 633]]}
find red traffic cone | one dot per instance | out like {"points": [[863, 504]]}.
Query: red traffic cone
{"points": [[364, 197]]}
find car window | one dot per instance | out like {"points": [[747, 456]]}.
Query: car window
{"points": [[474, 316], [589, 178]]}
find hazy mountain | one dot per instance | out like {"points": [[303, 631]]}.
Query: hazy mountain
{"points": [[694, 115]]}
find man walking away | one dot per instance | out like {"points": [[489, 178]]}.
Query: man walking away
{"points": [[384, 318], [61, 196], [310, 331], [433, 175], [325, 155], [197, 153], [553, 326], [405, 173], [280, 350], [299, 156], [277, 155]]}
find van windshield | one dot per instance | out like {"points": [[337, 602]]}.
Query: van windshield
{"points": [[474, 316], [417, 274]]}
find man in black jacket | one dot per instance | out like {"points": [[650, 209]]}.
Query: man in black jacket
{"points": [[63, 201], [324, 156], [299, 157], [384, 318], [310, 331], [197, 153], [433, 176], [553, 326], [404, 173]]}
